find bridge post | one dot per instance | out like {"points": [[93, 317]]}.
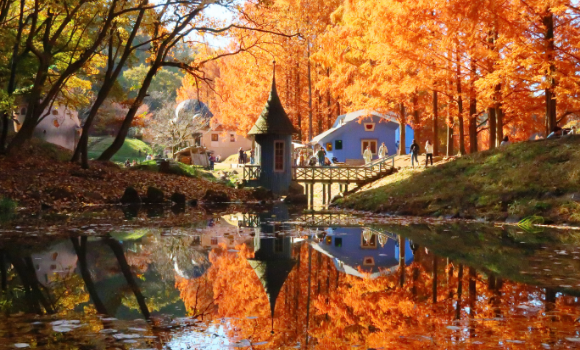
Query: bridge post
{"points": [[329, 193], [312, 196], [346, 187], [306, 190], [323, 193]]}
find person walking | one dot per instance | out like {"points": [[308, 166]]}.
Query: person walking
{"points": [[368, 155], [383, 151], [414, 153], [428, 152], [240, 156], [321, 155], [211, 162], [506, 141]]}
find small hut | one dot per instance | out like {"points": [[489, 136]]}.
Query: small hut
{"points": [[273, 135]]}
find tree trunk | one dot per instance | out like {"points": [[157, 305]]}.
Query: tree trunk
{"points": [[551, 118], [328, 104], [491, 121], [459, 292], [124, 129], [472, 111], [126, 270], [81, 251], [401, 261], [402, 130], [460, 107], [309, 93], [416, 121], [435, 126], [499, 122], [434, 277]]}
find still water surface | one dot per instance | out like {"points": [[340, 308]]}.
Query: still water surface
{"points": [[249, 281]]}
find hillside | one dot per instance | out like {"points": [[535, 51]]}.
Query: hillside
{"points": [[529, 178], [130, 149]]}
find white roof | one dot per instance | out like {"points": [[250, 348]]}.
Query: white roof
{"points": [[344, 119]]}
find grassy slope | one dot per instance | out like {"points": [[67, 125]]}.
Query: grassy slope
{"points": [[130, 149], [523, 179], [177, 169]]}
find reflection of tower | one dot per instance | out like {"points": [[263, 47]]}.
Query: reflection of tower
{"points": [[272, 263]]}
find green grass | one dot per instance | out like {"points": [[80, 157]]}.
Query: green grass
{"points": [[129, 150], [177, 168], [523, 179]]}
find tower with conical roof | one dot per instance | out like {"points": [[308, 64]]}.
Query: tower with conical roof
{"points": [[272, 263], [273, 135]]}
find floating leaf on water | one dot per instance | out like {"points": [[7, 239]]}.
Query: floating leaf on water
{"points": [[108, 319], [21, 345], [108, 330], [260, 343], [120, 336], [251, 317], [514, 341], [62, 329], [129, 341], [575, 339], [137, 329], [454, 328]]}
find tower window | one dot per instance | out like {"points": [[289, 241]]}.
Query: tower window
{"points": [[279, 156]]}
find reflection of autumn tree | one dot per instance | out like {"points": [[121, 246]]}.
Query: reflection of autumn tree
{"points": [[379, 313], [238, 294]]}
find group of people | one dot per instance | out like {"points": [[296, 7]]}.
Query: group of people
{"points": [[368, 153], [128, 163], [415, 153], [243, 156]]}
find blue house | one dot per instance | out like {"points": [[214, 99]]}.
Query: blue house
{"points": [[369, 250], [353, 132]]}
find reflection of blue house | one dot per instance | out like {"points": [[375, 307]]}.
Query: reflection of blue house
{"points": [[351, 248], [352, 132]]}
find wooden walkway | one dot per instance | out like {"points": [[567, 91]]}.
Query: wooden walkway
{"points": [[332, 174]]}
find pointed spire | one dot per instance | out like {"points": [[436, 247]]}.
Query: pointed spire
{"points": [[273, 119]]}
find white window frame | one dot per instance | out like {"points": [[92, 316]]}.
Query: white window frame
{"points": [[369, 140], [276, 142], [371, 129]]}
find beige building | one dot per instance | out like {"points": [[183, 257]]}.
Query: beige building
{"points": [[60, 126], [224, 143]]}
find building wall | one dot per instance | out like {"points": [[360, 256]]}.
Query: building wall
{"points": [[224, 147], [354, 132], [61, 126], [346, 245], [277, 182]]}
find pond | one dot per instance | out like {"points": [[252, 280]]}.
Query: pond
{"points": [[275, 280]]}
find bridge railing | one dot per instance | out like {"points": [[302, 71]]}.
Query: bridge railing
{"points": [[343, 173], [251, 172], [329, 173]]}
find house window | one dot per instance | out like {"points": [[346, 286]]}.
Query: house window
{"points": [[371, 143], [338, 144], [369, 126], [369, 261], [214, 137], [279, 156], [329, 146], [214, 241], [338, 242], [232, 138]]}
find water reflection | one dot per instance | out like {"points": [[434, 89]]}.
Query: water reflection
{"points": [[217, 284]]}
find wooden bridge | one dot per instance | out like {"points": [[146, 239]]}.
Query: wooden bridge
{"points": [[329, 175]]}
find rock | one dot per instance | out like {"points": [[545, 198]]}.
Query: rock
{"points": [[214, 196], [154, 195], [295, 188], [131, 211], [178, 208], [154, 211], [262, 194], [192, 202], [296, 199], [178, 198], [575, 197], [130, 196], [164, 166]]}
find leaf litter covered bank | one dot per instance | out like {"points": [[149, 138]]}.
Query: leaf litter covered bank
{"points": [[40, 173], [539, 178]]}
